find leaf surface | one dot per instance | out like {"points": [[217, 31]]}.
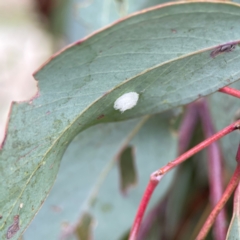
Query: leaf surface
{"points": [[90, 161], [234, 228]]}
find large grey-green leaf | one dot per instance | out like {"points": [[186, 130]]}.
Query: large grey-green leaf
{"points": [[83, 163], [85, 159], [154, 147], [163, 54]]}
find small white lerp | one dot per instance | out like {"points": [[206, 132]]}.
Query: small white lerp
{"points": [[126, 101]]}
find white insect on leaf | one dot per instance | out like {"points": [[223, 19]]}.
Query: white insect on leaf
{"points": [[126, 101]]}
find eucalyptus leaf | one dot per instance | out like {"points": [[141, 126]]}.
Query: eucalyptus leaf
{"points": [[233, 231], [234, 227], [86, 158], [155, 147], [163, 54]]}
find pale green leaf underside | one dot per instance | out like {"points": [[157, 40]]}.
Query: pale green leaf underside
{"points": [[83, 163], [162, 54], [219, 105], [85, 160], [234, 228]]}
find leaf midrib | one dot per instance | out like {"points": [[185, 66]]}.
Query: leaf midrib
{"points": [[97, 100]]}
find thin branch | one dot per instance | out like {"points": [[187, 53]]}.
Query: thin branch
{"points": [[157, 213], [228, 192], [230, 91], [157, 175], [154, 180], [186, 130], [215, 164], [234, 126]]}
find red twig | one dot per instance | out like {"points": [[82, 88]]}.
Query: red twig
{"points": [[229, 190], [157, 213], [185, 134], [154, 180], [230, 91], [214, 170], [156, 176], [198, 148]]}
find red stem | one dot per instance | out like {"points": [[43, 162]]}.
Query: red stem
{"points": [[230, 91], [157, 213], [153, 182], [214, 170], [185, 134], [228, 192], [156, 176], [236, 201], [197, 148]]}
